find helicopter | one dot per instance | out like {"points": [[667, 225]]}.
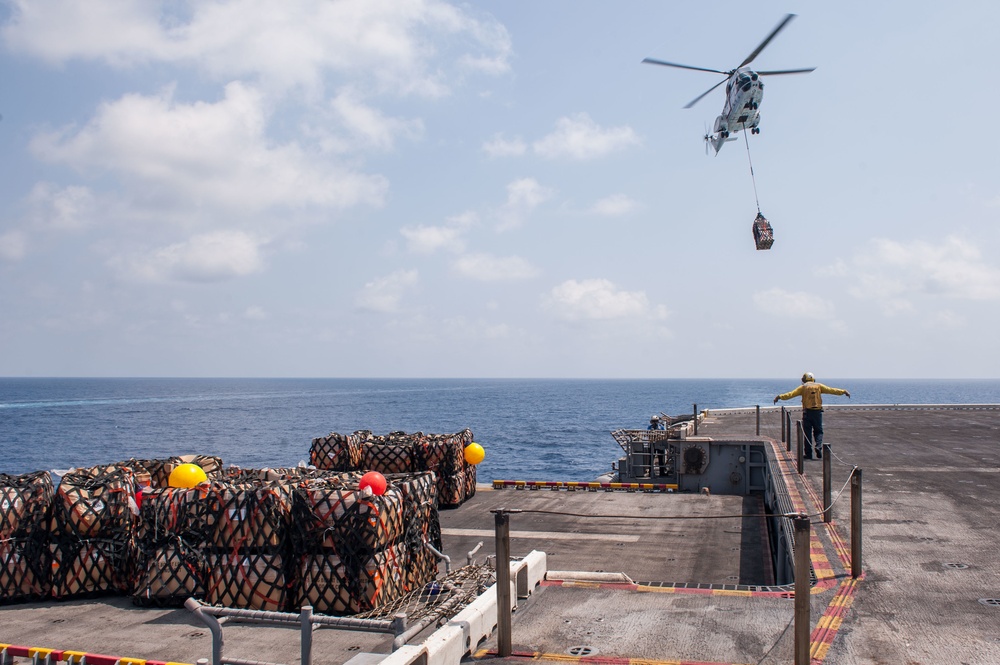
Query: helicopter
{"points": [[744, 92]]}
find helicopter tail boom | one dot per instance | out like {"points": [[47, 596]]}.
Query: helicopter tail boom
{"points": [[717, 140]]}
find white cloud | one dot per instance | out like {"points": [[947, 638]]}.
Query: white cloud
{"points": [[209, 257], [793, 304], [896, 273], [396, 46], [579, 137], [494, 268], [369, 126], [383, 294], [427, 239], [206, 153], [13, 245], [600, 299], [523, 196], [66, 208], [615, 205], [499, 146]]}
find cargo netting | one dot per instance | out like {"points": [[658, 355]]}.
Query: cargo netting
{"points": [[763, 234], [439, 600], [25, 510], [356, 550], [399, 452], [266, 539]]}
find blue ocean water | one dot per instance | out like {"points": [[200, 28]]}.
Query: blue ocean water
{"points": [[531, 429]]}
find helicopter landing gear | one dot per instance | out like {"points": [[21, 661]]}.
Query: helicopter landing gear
{"points": [[755, 130]]}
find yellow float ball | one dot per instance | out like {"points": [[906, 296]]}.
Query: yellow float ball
{"points": [[474, 453], [187, 476]]}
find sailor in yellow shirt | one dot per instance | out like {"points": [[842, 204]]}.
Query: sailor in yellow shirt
{"points": [[812, 411]]}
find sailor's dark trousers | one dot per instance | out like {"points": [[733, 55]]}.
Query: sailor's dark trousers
{"points": [[812, 430]]}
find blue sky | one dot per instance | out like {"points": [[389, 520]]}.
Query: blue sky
{"points": [[421, 188]]}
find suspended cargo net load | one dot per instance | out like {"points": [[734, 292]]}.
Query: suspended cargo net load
{"points": [[399, 452], [25, 510], [763, 234]]}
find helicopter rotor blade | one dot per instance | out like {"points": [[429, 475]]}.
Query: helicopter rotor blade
{"points": [[699, 97], [787, 71], [654, 61], [767, 40]]}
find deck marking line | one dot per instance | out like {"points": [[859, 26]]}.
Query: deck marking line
{"points": [[645, 588], [596, 660], [548, 535], [826, 628]]}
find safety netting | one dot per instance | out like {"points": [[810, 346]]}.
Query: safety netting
{"points": [[400, 452]]}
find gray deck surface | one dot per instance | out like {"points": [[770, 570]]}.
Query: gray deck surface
{"points": [[931, 520], [931, 501]]}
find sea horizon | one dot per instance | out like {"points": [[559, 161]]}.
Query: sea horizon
{"points": [[531, 428]]}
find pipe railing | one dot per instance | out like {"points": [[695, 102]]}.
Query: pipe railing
{"points": [[305, 619]]}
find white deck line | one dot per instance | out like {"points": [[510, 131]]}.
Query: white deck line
{"points": [[547, 535]]}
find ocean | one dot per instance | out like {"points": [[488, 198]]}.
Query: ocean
{"points": [[531, 429]]}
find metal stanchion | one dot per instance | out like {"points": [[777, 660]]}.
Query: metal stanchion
{"points": [[827, 483], [758, 420], [696, 419], [504, 641], [306, 619], [856, 524], [788, 443], [798, 444], [783, 435], [802, 571]]}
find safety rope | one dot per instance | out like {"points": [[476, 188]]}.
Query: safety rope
{"points": [[752, 178]]}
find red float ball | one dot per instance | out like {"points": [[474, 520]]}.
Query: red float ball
{"points": [[374, 480]]}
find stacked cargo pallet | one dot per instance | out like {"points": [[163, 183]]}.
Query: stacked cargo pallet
{"points": [[399, 452], [355, 551], [92, 535], [223, 542], [230, 541], [25, 507]]}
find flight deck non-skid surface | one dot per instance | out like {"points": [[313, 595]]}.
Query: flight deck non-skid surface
{"points": [[929, 595]]}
